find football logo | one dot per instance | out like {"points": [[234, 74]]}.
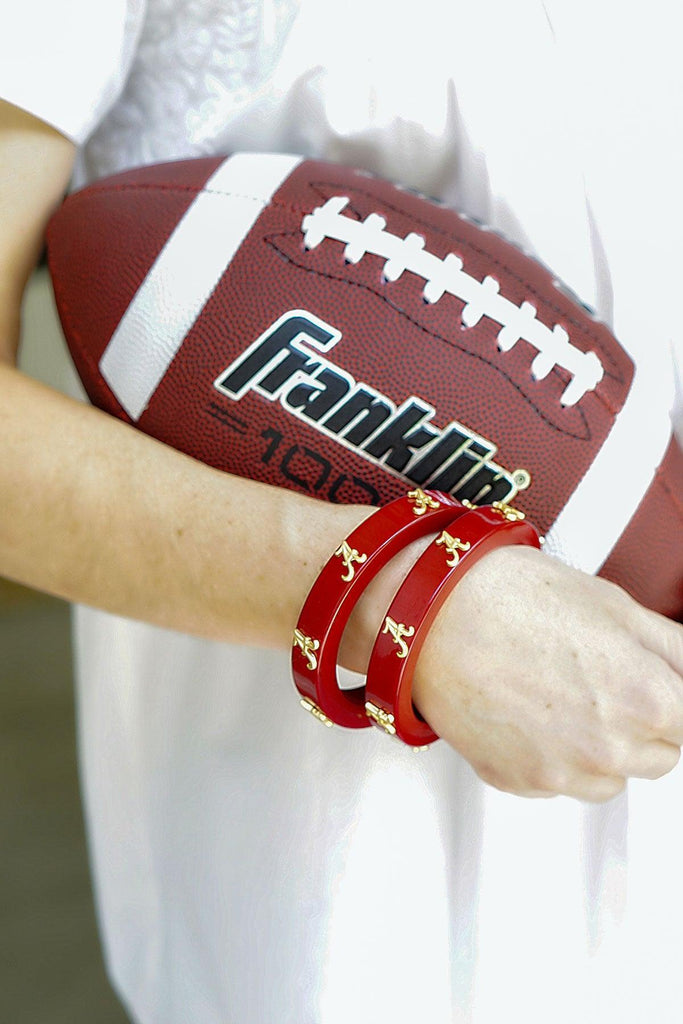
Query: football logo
{"points": [[287, 364]]}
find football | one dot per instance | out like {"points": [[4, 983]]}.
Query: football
{"points": [[314, 327]]}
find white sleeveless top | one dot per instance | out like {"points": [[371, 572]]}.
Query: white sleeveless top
{"points": [[249, 865]]}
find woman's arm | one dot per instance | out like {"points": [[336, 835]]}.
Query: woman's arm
{"points": [[96, 512], [546, 680]]}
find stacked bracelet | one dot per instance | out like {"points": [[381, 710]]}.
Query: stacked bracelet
{"points": [[463, 534], [333, 596], [415, 606]]}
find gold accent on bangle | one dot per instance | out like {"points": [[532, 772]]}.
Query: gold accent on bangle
{"points": [[398, 631], [386, 721], [422, 501], [453, 546], [307, 645], [508, 512], [383, 718], [314, 710], [349, 555]]}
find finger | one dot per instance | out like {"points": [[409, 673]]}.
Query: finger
{"points": [[653, 697], [580, 785], [652, 760], [511, 782], [593, 788], [597, 789], [662, 636]]}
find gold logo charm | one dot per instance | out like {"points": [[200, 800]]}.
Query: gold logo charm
{"points": [[508, 512], [398, 632], [307, 645], [453, 546], [314, 710], [348, 556], [383, 718], [422, 501]]}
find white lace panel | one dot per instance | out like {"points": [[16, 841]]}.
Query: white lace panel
{"points": [[197, 64]]}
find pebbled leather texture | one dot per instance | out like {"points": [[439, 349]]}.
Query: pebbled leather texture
{"points": [[436, 377]]}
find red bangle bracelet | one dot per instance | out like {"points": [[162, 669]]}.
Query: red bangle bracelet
{"points": [[416, 604], [334, 594]]}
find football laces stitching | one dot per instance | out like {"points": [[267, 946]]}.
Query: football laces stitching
{"points": [[448, 276]]}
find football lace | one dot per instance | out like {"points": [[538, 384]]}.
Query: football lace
{"points": [[447, 276]]}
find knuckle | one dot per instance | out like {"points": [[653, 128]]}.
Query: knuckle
{"points": [[502, 780], [674, 756], [605, 758], [664, 761], [601, 790], [613, 757], [491, 776], [653, 701], [552, 778], [661, 711], [617, 600], [660, 717], [549, 779], [673, 645], [594, 783], [648, 709]]}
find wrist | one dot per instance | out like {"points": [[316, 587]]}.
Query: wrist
{"points": [[478, 597], [311, 537]]}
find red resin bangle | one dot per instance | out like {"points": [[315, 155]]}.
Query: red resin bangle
{"points": [[334, 594], [416, 604]]}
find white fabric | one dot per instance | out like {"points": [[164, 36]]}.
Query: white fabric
{"points": [[66, 62], [250, 865]]}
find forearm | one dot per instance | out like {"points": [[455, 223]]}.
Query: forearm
{"points": [[95, 512]]}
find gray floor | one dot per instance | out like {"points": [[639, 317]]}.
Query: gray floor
{"points": [[50, 963]]}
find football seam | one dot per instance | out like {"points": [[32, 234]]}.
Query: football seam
{"points": [[318, 187], [586, 437], [322, 188], [195, 190]]}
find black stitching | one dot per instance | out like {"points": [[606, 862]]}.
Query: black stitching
{"points": [[323, 188], [269, 240]]}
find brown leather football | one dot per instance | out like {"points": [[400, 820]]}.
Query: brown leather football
{"points": [[317, 328]]}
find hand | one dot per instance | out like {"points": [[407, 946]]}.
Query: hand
{"points": [[549, 681]]}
